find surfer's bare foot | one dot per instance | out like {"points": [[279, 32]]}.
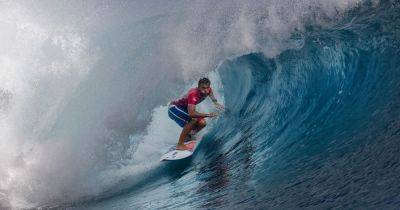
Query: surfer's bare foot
{"points": [[182, 147]]}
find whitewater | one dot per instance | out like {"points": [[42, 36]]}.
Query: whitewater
{"points": [[312, 88]]}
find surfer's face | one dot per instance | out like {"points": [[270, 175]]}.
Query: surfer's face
{"points": [[204, 89]]}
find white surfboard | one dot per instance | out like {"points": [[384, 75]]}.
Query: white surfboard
{"points": [[174, 154]]}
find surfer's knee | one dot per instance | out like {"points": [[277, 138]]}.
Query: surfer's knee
{"points": [[193, 122], [201, 122]]}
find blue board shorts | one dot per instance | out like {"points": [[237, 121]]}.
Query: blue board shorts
{"points": [[179, 114]]}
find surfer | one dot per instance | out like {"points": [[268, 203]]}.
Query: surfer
{"points": [[183, 111]]}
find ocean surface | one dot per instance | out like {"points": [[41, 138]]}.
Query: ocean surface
{"points": [[312, 91]]}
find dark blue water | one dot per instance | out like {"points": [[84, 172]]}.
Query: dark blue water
{"points": [[315, 127]]}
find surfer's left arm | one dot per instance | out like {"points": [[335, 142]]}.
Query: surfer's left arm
{"points": [[215, 101]]}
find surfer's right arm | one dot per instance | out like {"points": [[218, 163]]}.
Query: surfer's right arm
{"points": [[194, 114]]}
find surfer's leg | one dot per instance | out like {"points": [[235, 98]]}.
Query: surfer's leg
{"points": [[185, 132], [200, 124]]}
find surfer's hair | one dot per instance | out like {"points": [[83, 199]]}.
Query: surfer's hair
{"points": [[204, 80]]}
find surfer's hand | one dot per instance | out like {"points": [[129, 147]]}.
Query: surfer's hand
{"points": [[219, 106], [213, 114]]}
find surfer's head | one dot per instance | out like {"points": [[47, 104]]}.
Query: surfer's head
{"points": [[204, 86]]}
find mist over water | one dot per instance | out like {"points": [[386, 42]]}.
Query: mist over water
{"points": [[311, 87]]}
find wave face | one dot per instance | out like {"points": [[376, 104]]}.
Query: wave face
{"points": [[312, 93]]}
